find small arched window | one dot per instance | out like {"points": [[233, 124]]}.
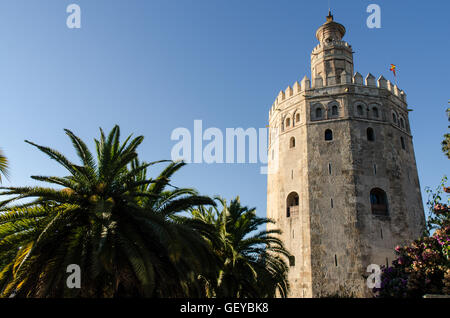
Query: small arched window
{"points": [[370, 134], [402, 123], [328, 134], [334, 111], [402, 141], [297, 118], [394, 118], [318, 113], [378, 202], [359, 110], [292, 202], [375, 112], [288, 122], [292, 142]]}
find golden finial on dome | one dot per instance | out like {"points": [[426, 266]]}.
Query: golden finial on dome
{"points": [[330, 16]]}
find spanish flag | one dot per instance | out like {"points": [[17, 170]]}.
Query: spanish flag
{"points": [[393, 67]]}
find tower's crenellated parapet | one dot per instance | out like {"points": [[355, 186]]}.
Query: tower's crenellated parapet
{"points": [[358, 79], [370, 80], [368, 85], [305, 83]]}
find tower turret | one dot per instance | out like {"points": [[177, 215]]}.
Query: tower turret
{"points": [[332, 56]]}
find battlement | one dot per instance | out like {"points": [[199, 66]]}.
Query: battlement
{"points": [[337, 44], [346, 79]]}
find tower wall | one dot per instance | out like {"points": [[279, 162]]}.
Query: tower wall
{"points": [[288, 173], [333, 233], [335, 252]]}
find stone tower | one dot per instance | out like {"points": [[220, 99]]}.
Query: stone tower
{"points": [[342, 177]]}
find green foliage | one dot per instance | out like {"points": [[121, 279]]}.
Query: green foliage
{"points": [[3, 166], [252, 262], [439, 216], [126, 233], [423, 267], [110, 219]]}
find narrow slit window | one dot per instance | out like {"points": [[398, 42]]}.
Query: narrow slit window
{"points": [[370, 134], [329, 168], [332, 204], [335, 260]]}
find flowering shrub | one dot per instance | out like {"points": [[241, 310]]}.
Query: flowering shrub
{"points": [[423, 267]]}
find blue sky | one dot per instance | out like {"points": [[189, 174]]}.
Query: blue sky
{"points": [[153, 66]]}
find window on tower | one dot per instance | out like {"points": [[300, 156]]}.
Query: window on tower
{"points": [[370, 134], [292, 142], [394, 118], [334, 111], [288, 122], [378, 201], [402, 140], [291, 261], [297, 118], [375, 112], [359, 110], [318, 113], [292, 202], [328, 135]]}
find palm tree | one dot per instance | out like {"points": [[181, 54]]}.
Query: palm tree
{"points": [[252, 262], [108, 218], [3, 166]]}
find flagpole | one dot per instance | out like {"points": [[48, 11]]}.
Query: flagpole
{"points": [[396, 74], [394, 70]]}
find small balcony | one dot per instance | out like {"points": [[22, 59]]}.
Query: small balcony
{"points": [[292, 210], [379, 209]]}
